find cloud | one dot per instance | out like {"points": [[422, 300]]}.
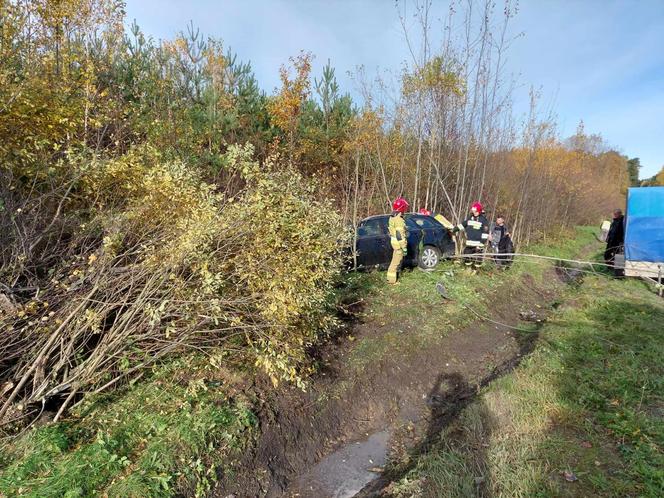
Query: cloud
{"points": [[604, 61], [601, 59]]}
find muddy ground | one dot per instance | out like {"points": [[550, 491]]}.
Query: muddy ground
{"points": [[336, 439]]}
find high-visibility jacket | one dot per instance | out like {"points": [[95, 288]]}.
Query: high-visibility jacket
{"points": [[477, 230], [398, 233]]}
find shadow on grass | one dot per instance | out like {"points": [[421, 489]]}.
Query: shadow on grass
{"points": [[449, 396], [602, 378], [605, 434]]}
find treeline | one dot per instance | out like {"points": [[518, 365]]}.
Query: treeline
{"points": [[75, 80], [153, 197], [657, 180], [633, 170]]}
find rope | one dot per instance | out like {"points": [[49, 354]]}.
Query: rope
{"points": [[592, 264], [537, 256], [486, 318]]}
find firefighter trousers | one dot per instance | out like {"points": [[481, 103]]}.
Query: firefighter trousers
{"points": [[475, 261], [393, 270]]}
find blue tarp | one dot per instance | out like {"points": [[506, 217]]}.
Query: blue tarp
{"points": [[644, 233]]}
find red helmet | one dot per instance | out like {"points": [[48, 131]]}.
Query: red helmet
{"points": [[425, 212], [477, 206], [400, 204]]}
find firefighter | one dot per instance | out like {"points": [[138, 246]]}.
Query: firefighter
{"points": [[398, 238], [477, 235]]}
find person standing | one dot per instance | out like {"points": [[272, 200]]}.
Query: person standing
{"points": [[477, 235], [501, 242], [615, 239], [398, 238]]}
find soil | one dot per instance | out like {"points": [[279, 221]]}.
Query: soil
{"points": [[335, 442]]}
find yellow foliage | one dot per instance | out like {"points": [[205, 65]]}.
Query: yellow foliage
{"points": [[275, 247], [366, 130], [285, 108], [436, 76], [291, 256], [46, 109], [659, 178]]}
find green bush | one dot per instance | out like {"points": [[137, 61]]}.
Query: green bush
{"points": [[291, 256], [164, 261]]}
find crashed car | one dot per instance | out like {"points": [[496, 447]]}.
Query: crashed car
{"points": [[428, 242]]}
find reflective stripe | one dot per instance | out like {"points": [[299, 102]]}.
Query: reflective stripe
{"points": [[475, 224], [485, 236], [398, 245], [460, 226], [474, 243]]}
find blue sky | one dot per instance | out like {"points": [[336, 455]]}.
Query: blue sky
{"points": [[597, 60]]}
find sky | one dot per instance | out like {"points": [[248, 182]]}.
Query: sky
{"points": [[600, 61]]}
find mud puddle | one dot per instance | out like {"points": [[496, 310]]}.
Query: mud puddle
{"points": [[327, 441], [421, 411], [347, 471]]}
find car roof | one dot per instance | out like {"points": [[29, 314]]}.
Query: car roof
{"points": [[379, 216], [375, 217]]}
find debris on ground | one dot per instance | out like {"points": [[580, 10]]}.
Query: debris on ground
{"points": [[570, 476], [530, 316], [442, 291]]}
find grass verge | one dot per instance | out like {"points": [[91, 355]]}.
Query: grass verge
{"points": [[412, 315], [582, 416], [155, 438]]}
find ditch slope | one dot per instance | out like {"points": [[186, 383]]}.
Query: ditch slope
{"points": [[392, 381]]}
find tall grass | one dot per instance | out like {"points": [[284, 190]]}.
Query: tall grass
{"points": [[582, 416], [160, 437]]}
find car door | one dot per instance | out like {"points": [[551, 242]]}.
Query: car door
{"points": [[415, 237], [372, 237], [435, 234]]}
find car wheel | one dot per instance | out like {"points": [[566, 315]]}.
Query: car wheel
{"points": [[428, 258]]}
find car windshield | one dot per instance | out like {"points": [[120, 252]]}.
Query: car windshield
{"points": [[422, 222], [371, 228]]}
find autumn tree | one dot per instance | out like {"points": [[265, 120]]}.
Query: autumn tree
{"points": [[287, 105], [656, 180]]}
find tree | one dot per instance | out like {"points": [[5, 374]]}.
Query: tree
{"points": [[633, 167], [325, 125], [286, 106]]}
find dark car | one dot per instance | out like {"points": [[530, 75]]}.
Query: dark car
{"points": [[428, 242]]}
